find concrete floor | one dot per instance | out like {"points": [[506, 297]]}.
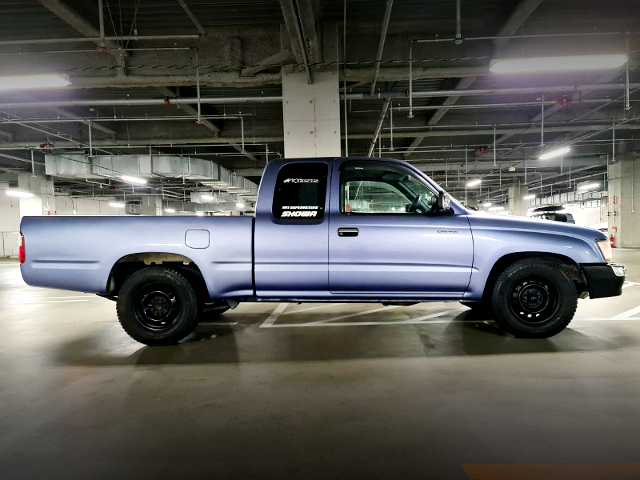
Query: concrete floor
{"points": [[311, 391]]}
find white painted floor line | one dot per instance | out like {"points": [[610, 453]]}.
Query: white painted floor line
{"points": [[274, 315], [360, 324], [627, 314], [218, 323], [318, 307], [629, 284], [54, 298], [358, 314], [433, 315], [35, 302]]}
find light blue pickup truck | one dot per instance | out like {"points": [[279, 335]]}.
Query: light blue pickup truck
{"points": [[325, 230]]}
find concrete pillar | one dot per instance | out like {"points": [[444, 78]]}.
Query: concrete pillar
{"points": [[151, 205], [43, 202], [518, 206], [622, 201], [311, 115]]}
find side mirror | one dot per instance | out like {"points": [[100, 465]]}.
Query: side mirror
{"points": [[443, 204]]}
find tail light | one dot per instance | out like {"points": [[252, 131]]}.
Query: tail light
{"points": [[21, 252]]}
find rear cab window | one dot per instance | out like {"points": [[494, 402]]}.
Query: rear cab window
{"points": [[300, 192]]}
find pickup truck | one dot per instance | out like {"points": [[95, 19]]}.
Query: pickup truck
{"points": [[325, 230]]}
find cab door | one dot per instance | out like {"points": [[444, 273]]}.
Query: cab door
{"points": [[385, 241], [291, 232]]}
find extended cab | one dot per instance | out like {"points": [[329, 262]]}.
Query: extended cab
{"points": [[325, 230]]}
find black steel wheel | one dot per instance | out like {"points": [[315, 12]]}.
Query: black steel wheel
{"points": [[157, 306], [534, 298]]}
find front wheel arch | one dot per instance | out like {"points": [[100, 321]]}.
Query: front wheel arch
{"points": [[568, 266]]}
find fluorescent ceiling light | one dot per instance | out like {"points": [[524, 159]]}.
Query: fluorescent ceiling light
{"points": [[557, 64], [24, 82], [19, 193], [200, 214], [473, 183], [136, 180], [116, 205], [529, 197], [554, 153], [170, 210], [496, 209], [240, 205], [589, 186], [206, 197], [487, 204]]}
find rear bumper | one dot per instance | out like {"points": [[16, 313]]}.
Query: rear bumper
{"points": [[604, 279]]}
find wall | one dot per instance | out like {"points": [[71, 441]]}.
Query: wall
{"points": [[624, 197], [9, 221]]}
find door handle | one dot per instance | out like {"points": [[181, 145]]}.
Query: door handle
{"points": [[347, 232]]}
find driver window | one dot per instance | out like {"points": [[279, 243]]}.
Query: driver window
{"points": [[383, 189]]}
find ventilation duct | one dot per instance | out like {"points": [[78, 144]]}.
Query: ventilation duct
{"points": [[113, 166]]}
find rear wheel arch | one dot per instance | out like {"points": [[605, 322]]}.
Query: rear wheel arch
{"points": [[132, 263], [566, 264]]}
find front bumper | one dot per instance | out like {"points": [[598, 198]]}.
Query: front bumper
{"points": [[604, 279]]}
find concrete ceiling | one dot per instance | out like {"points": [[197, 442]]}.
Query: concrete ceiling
{"points": [[150, 52]]}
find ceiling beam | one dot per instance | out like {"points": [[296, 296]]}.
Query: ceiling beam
{"points": [[301, 21], [281, 57], [193, 18], [63, 11], [524, 9]]}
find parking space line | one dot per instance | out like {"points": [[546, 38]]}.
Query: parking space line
{"points": [[358, 314], [627, 314], [35, 302], [274, 315], [629, 284], [318, 307], [433, 315]]}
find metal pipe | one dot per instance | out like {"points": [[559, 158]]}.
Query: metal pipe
{"points": [[170, 118], [347, 96], [458, 40], [391, 128], [344, 78], [198, 121], [410, 80], [510, 37], [376, 133], [542, 121], [627, 103], [41, 41], [383, 38], [101, 21]]}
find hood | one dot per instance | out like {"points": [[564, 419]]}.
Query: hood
{"points": [[513, 222]]}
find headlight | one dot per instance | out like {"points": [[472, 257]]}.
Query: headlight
{"points": [[605, 248]]}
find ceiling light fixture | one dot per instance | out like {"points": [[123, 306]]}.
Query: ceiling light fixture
{"points": [[496, 209], [474, 183], [25, 82], [200, 214], [207, 198], [487, 204], [554, 153], [116, 204], [170, 210], [240, 205], [589, 186], [136, 180], [19, 193], [557, 64], [529, 197]]}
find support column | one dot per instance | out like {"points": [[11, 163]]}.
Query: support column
{"points": [[43, 202], [311, 115], [518, 206], [622, 201], [151, 205]]}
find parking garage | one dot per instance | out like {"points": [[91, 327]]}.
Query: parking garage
{"points": [[171, 111]]}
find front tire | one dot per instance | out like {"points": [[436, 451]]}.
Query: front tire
{"points": [[157, 306], [533, 298]]}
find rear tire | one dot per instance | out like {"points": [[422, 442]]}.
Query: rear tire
{"points": [[533, 298], [157, 306]]}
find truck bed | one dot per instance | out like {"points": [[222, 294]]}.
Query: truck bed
{"points": [[78, 253]]}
